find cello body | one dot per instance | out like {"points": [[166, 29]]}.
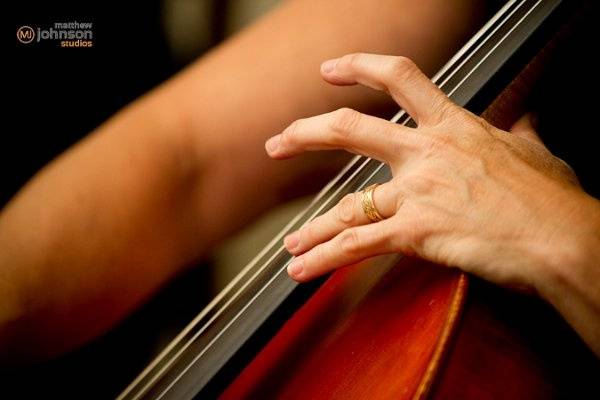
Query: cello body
{"points": [[427, 331], [391, 327], [358, 331], [417, 332]]}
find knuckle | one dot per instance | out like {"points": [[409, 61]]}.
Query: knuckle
{"points": [[458, 131], [350, 60], [438, 142], [422, 182], [344, 121], [478, 123], [308, 234], [403, 67], [349, 241], [475, 128], [438, 179], [414, 233], [315, 256], [289, 136], [444, 111], [345, 209], [402, 142]]}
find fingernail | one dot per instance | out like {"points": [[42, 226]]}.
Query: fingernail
{"points": [[273, 143], [292, 241], [296, 267], [328, 66]]}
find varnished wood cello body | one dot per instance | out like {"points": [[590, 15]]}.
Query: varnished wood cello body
{"points": [[390, 327]]}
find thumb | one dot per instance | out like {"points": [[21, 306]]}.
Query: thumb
{"points": [[526, 127]]}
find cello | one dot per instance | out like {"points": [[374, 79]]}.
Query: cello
{"points": [[391, 327]]}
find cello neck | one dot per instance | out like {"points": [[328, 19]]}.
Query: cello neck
{"points": [[206, 348]]}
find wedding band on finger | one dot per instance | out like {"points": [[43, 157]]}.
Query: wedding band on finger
{"points": [[368, 204]]}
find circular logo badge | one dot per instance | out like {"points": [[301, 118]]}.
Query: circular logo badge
{"points": [[25, 34]]}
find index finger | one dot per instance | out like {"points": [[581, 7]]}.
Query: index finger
{"points": [[398, 76]]}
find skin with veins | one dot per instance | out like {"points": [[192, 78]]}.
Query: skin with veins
{"points": [[463, 194]]}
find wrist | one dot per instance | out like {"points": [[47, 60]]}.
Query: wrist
{"points": [[573, 253]]}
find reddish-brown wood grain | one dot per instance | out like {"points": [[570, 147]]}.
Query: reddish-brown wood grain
{"points": [[365, 334], [370, 333], [409, 332], [489, 359], [512, 345]]}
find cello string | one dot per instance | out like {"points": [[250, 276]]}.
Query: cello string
{"points": [[365, 161], [181, 336], [336, 192], [332, 195]]}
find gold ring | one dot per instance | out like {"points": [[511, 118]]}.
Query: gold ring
{"points": [[368, 205]]}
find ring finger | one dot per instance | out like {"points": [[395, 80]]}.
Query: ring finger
{"points": [[347, 213]]}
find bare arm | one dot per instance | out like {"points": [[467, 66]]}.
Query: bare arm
{"points": [[102, 227]]}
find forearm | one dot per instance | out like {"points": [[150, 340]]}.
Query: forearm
{"points": [[95, 231], [102, 227]]}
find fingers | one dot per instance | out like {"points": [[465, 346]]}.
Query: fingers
{"points": [[346, 214], [350, 246], [342, 129], [358, 133], [398, 76], [526, 128]]}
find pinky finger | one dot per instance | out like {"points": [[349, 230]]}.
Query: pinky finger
{"points": [[350, 246]]}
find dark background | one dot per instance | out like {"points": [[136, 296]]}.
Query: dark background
{"points": [[62, 94], [56, 96], [59, 95]]}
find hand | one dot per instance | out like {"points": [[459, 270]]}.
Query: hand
{"points": [[463, 194]]}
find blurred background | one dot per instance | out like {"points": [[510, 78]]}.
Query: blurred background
{"points": [[60, 95], [56, 96]]}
